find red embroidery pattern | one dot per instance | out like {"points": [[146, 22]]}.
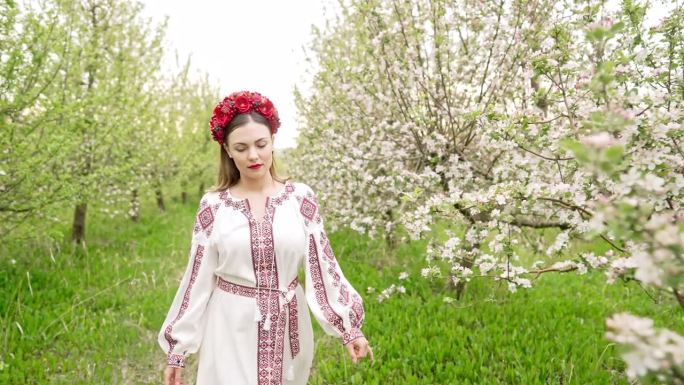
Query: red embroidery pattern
{"points": [[205, 217], [332, 262], [325, 245], [197, 262], [271, 342], [277, 201], [175, 360], [251, 292], [309, 208], [238, 205], [237, 289], [319, 288], [356, 316], [270, 345], [242, 205], [344, 295], [356, 319], [351, 336], [310, 212], [293, 326]]}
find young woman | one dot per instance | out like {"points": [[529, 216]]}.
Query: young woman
{"points": [[240, 303]]}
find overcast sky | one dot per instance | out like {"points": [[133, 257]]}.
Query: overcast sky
{"points": [[254, 45], [250, 44]]}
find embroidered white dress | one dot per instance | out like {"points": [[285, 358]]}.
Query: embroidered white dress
{"points": [[239, 303]]}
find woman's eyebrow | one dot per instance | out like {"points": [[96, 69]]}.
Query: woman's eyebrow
{"points": [[264, 138]]}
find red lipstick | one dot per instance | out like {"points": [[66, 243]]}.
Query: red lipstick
{"points": [[255, 166]]}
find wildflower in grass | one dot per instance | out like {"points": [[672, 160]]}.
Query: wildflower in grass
{"points": [[431, 272]]}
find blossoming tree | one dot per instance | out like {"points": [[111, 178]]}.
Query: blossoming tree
{"points": [[509, 121]]}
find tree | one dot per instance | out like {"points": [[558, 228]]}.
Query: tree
{"points": [[520, 125], [35, 140], [115, 53]]}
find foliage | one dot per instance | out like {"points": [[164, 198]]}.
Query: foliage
{"points": [[88, 115], [527, 125], [94, 319]]}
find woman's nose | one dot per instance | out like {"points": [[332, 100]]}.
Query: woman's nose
{"points": [[252, 154]]}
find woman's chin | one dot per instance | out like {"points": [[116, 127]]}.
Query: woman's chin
{"points": [[260, 173]]}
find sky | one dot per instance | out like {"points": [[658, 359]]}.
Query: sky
{"points": [[254, 45]]}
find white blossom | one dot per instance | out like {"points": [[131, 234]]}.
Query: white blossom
{"points": [[601, 139], [648, 349]]}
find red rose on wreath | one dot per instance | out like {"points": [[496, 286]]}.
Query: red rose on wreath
{"points": [[266, 109], [217, 134], [220, 109], [243, 103], [221, 120]]}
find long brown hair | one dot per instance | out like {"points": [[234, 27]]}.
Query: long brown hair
{"points": [[229, 175]]}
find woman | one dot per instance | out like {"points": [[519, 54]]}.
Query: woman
{"points": [[239, 302]]}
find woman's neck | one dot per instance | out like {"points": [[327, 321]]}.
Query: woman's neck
{"points": [[265, 185]]}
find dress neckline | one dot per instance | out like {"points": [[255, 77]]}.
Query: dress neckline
{"points": [[271, 202], [270, 197]]}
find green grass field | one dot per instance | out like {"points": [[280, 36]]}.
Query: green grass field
{"points": [[77, 317]]}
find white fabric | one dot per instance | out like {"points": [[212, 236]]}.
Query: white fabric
{"points": [[228, 242]]}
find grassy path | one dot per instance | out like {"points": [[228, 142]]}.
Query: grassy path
{"points": [[92, 318]]}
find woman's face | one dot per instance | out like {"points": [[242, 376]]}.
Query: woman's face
{"points": [[251, 147]]}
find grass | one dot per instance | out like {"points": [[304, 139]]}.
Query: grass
{"points": [[550, 334], [92, 317]]}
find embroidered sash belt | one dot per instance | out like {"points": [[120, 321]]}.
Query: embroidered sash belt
{"points": [[289, 302]]}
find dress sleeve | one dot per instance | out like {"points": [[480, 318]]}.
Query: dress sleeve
{"points": [[335, 304], [183, 328]]}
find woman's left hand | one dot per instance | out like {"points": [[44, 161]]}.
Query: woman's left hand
{"points": [[359, 348]]}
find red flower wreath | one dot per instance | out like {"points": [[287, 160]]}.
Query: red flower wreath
{"points": [[241, 102]]}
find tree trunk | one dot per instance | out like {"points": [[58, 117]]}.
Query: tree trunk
{"points": [[134, 212], [79, 225], [467, 263], [461, 285], [160, 199], [390, 234], [184, 192], [201, 189], [680, 297]]}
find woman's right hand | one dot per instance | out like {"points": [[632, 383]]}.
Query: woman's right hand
{"points": [[172, 376]]}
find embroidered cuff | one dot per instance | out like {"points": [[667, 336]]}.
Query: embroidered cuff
{"points": [[351, 335], [175, 360]]}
